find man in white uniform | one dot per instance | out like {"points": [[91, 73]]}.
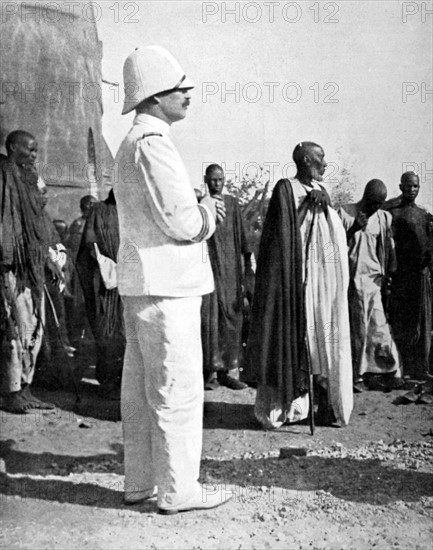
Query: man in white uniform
{"points": [[162, 277]]}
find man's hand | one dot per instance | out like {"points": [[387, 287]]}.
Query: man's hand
{"points": [[216, 206], [220, 209], [361, 220], [55, 272], [360, 223], [317, 197]]}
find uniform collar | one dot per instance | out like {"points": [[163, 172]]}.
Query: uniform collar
{"points": [[157, 124]]}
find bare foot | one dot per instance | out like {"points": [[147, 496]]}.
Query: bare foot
{"points": [[397, 383], [35, 403], [16, 403]]}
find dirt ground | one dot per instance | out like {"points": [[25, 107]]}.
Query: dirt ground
{"points": [[369, 485]]}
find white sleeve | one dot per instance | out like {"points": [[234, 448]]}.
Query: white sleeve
{"points": [[169, 192]]}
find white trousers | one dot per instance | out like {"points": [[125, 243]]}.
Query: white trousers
{"points": [[162, 397]]}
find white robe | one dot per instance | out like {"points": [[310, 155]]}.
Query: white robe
{"points": [[327, 314]]}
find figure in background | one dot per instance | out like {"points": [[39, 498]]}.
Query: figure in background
{"points": [[77, 318], [51, 368], [60, 256], [372, 262], [293, 324], [411, 299], [62, 229], [68, 272], [24, 256], [76, 228], [221, 311], [98, 251]]}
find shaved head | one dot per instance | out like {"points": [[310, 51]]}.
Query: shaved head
{"points": [[214, 179], [375, 193], [409, 176], [409, 186], [302, 150], [22, 149], [310, 162], [17, 136], [211, 168], [375, 189]]}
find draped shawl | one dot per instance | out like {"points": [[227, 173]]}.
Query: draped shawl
{"points": [[24, 235], [104, 307], [276, 346]]}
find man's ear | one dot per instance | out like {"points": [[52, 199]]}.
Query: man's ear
{"points": [[401, 187]]}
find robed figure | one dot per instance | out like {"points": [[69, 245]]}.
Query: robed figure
{"points": [[296, 326], [98, 250], [411, 292], [372, 263], [222, 310]]}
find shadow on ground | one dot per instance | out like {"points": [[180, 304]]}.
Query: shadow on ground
{"points": [[217, 414], [358, 481]]}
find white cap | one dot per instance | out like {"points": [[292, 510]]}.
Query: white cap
{"points": [[148, 71]]}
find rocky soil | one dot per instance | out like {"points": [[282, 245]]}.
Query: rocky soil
{"points": [[369, 485]]}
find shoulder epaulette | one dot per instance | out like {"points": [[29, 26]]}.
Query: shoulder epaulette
{"points": [[151, 134]]}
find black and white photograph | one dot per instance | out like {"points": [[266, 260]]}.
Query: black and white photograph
{"points": [[216, 274]]}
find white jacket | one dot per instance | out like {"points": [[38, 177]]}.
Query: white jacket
{"points": [[162, 228]]}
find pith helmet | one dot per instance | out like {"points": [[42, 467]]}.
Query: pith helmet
{"points": [[150, 70]]}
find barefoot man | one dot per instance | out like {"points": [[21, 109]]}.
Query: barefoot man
{"points": [[24, 256]]}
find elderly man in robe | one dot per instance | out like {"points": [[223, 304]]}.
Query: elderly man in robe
{"points": [[221, 311], [371, 263], [300, 318], [24, 257], [411, 300]]}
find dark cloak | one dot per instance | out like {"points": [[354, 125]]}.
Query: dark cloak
{"points": [[276, 346], [104, 307], [24, 235], [411, 292], [222, 310]]}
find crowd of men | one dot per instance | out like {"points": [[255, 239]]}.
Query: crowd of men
{"points": [[340, 301]]}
